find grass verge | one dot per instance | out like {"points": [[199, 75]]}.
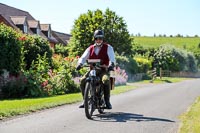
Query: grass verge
{"points": [[191, 119], [166, 80], [9, 108]]}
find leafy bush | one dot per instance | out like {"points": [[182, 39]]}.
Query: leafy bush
{"points": [[144, 65], [62, 50], [64, 72], [30, 70], [170, 58], [10, 50], [14, 86], [191, 63], [196, 52], [37, 77], [34, 45], [126, 63]]}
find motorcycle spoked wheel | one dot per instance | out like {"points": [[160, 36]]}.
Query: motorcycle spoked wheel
{"points": [[102, 105], [88, 101]]}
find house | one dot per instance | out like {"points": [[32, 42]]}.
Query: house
{"points": [[63, 38], [46, 30], [22, 20]]}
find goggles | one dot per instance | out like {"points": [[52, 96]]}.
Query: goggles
{"points": [[99, 38]]}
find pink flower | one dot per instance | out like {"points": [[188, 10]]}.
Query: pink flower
{"points": [[45, 83], [50, 73]]}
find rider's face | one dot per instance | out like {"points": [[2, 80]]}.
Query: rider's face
{"points": [[98, 40]]}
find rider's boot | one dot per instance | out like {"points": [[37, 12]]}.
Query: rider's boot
{"points": [[107, 97], [82, 105]]}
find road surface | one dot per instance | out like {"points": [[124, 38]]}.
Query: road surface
{"points": [[149, 109]]}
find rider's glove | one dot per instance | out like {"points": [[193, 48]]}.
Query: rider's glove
{"points": [[79, 67], [111, 67]]}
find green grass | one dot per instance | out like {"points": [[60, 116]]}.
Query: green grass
{"points": [[121, 89], [191, 119], [166, 80], [10, 108], [179, 42]]}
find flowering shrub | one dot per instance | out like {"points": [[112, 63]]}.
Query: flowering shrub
{"points": [[64, 69], [45, 81], [120, 76], [30, 70], [37, 77], [144, 64]]}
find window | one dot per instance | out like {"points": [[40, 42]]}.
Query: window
{"points": [[38, 31], [49, 33], [25, 29]]}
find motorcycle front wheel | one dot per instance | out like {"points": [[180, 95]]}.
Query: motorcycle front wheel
{"points": [[89, 102]]}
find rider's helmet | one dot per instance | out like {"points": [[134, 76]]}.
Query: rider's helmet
{"points": [[98, 34]]}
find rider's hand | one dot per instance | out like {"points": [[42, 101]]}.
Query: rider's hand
{"points": [[111, 67], [79, 67]]}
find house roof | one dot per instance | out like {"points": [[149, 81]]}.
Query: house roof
{"points": [[16, 16], [33, 23], [7, 11], [45, 27], [13, 16], [5, 21], [62, 37], [18, 19]]}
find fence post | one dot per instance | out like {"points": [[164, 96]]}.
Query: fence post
{"points": [[153, 73]]}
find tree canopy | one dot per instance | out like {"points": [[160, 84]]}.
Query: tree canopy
{"points": [[114, 27]]}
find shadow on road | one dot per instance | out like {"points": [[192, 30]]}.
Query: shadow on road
{"points": [[124, 117], [167, 81]]}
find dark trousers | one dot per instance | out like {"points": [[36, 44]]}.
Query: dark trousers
{"points": [[105, 78]]}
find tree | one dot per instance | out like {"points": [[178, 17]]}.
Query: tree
{"points": [[114, 27]]}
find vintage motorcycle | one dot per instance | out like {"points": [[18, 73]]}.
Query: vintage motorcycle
{"points": [[94, 92]]}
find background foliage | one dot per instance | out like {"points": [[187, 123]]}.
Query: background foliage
{"points": [[114, 27], [171, 58], [34, 46], [10, 50], [28, 67]]}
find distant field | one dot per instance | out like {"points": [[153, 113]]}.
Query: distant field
{"points": [[180, 42]]}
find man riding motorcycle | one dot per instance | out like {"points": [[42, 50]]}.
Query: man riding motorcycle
{"points": [[103, 51]]}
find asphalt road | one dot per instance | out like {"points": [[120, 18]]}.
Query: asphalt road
{"points": [[149, 109]]}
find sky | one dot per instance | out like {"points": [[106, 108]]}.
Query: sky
{"points": [[147, 17]]}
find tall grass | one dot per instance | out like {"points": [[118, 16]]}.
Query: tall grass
{"points": [[191, 119], [180, 42]]}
